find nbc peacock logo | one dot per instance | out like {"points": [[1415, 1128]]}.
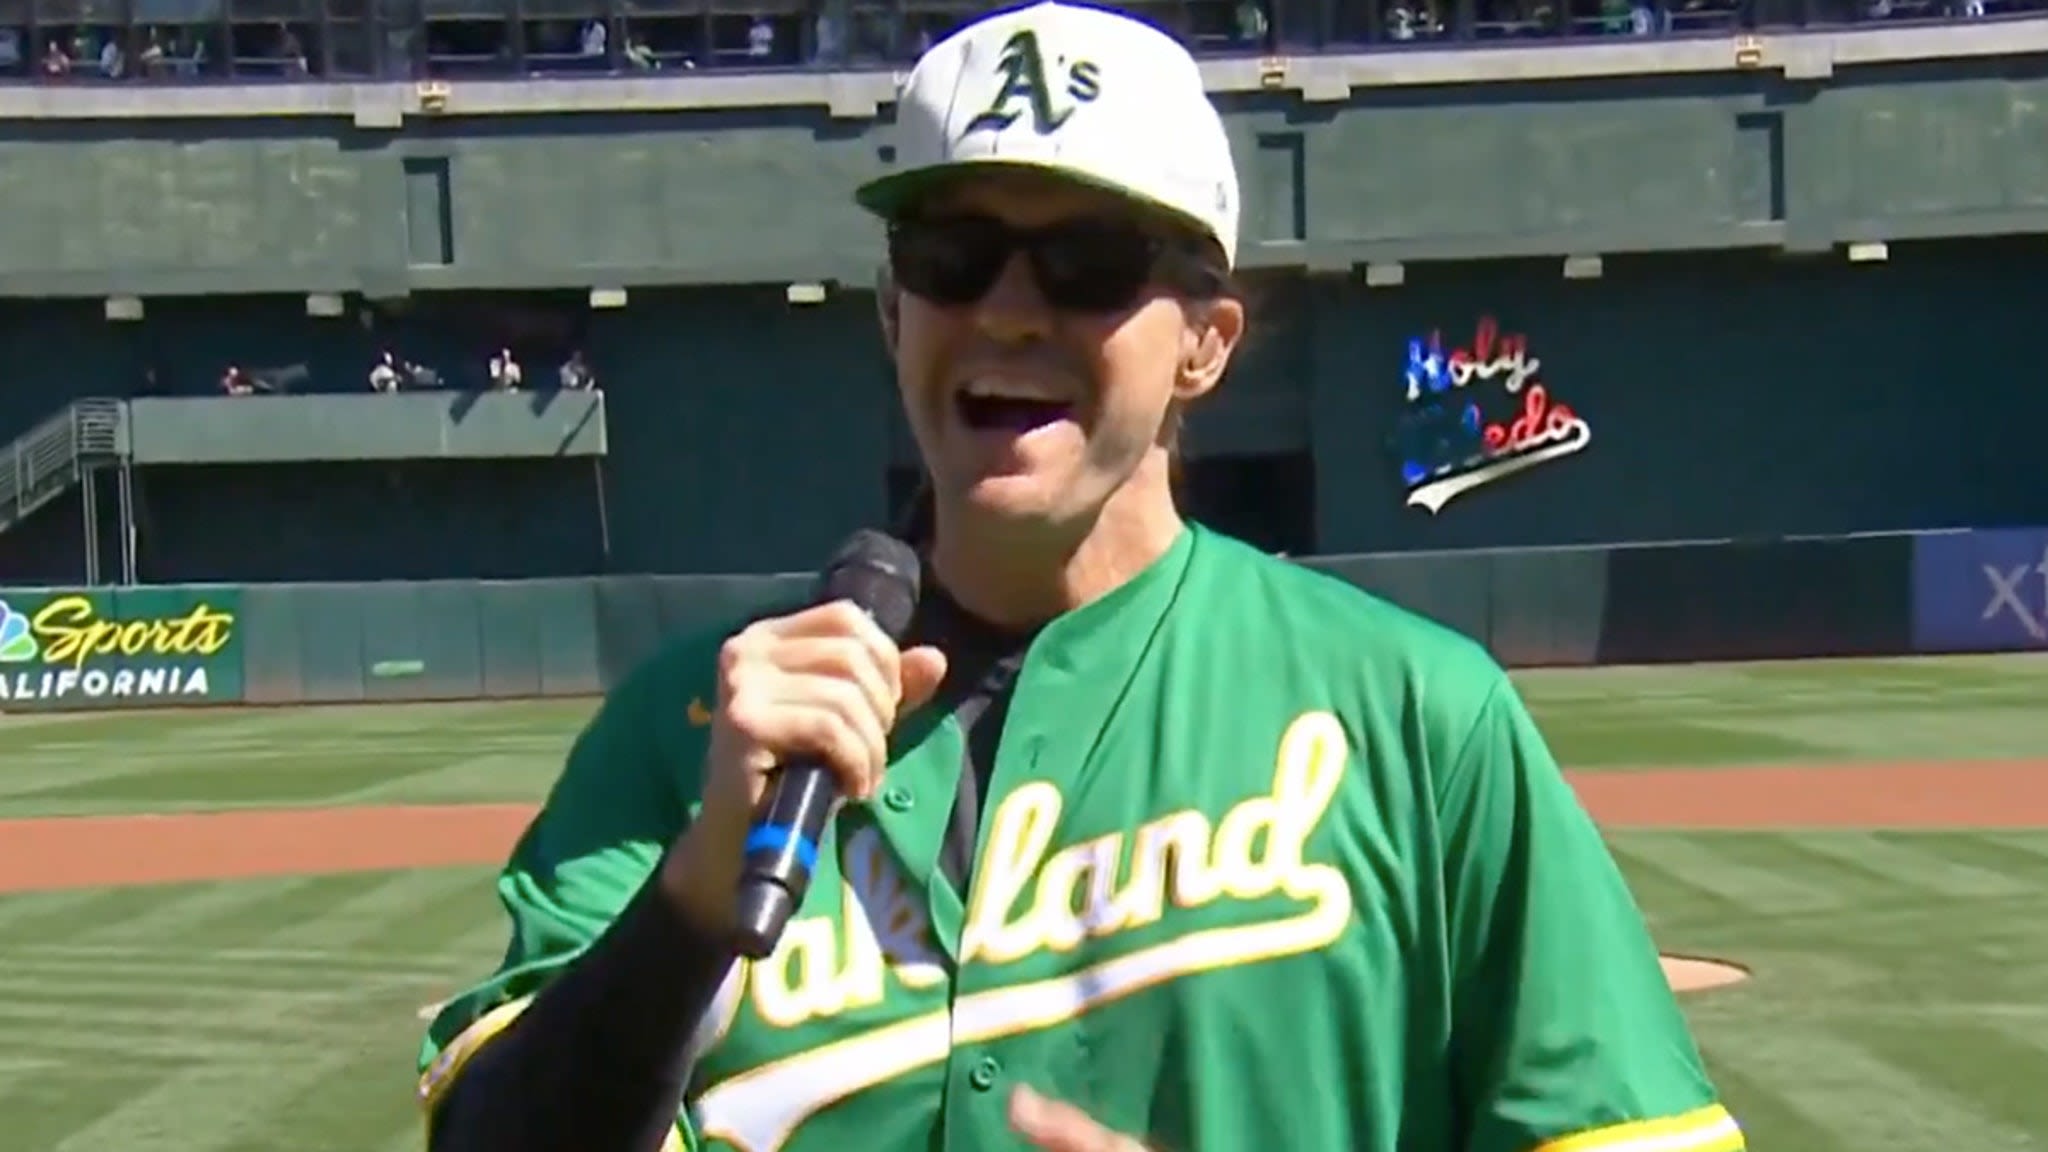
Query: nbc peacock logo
{"points": [[17, 640]]}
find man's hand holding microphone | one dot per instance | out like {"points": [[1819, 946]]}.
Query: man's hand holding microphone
{"points": [[805, 706], [816, 691]]}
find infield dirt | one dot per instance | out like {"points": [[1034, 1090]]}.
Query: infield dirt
{"points": [[99, 851]]}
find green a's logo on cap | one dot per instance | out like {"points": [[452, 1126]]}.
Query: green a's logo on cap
{"points": [[1022, 68]]}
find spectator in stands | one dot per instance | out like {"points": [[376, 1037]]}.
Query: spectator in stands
{"points": [[152, 55], [55, 61], [113, 61], [828, 37], [291, 52], [575, 373], [236, 382], [1252, 25], [596, 40], [385, 377], [505, 373], [1412, 20], [639, 55], [188, 54], [282, 378]]}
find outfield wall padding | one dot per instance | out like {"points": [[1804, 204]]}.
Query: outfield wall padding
{"points": [[1536, 608], [1759, 600], [458, 640]]}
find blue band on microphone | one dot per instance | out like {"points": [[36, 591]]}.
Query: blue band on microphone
{"points": [[775, 837]]}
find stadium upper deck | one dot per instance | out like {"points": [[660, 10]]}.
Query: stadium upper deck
{"points": [[122, 42]]}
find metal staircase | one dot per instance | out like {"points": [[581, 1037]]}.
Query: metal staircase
{"points": [[54, 456]]}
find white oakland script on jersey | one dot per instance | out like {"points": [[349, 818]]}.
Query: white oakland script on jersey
{"points": [[1022, 905]]}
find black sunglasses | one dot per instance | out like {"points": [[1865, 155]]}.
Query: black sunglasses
{"points": [[1080, 265]]}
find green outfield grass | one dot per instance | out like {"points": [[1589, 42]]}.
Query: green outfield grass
{"points": [[1860, 710], [1901, 1001]]}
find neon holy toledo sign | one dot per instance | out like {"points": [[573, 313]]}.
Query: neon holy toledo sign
{"points": [[1478, 414]]}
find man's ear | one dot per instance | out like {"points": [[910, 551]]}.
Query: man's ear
{"points": [[1212, 337], [888, 307]]}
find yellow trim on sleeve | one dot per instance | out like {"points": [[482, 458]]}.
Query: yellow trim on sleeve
{"points": [[1709, 1129], [441, 1073], [456, 1053]]}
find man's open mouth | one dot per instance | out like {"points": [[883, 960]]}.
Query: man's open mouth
{"points": [[1010, 413]]}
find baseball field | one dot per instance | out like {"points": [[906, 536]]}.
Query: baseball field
{"points": [[218, 929]]}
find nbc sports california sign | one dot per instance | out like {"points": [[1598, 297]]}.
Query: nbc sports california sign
{"points": [[114, 648]]}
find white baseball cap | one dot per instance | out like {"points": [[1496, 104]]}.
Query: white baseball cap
{"points": [[1084, 93]]}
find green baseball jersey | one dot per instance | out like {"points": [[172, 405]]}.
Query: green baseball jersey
{"points": [[1266, 863]]}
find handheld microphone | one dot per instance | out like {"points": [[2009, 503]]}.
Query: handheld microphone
{"points": [[880, 574]]}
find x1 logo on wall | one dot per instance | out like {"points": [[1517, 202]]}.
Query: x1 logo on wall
{"points": [[2016, 593], [1477, 414], [1981, 591]]}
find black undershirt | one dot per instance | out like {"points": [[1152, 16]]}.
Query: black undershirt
{"points": [[981, 673], [599, 1062]]}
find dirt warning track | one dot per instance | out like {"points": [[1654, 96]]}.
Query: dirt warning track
{"points": [[99, 851]]}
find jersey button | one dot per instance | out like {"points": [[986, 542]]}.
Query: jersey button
{"points": [[984, 1075], [898, 798]]}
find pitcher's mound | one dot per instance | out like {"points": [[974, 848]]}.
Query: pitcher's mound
{"points": [[1688, 974]]}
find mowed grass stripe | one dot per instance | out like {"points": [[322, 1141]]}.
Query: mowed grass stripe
{"points": [[526, 774], [258, 1019], [167, 1051], [2023, 853], [322, 1064], [312, 756], [1670, 901], [1940, 727], [1915, 862], [23, 735], [1722, 867], [2001, 1075], [1790, 686], [512, 732], [402, 909], [1864, 1099], [44, 1107], [363, 1094], [1633, 740], [482, 935], [283, 778], [207, 1106], [29, 917], [273, 971], [497, 751], [243, 1006], [26, 917], [238, 961], [1859, 887], [1812, 710], [224, 998], [184, 910], [1764, 1108], [264, 918], [368, 1102], [486, 751]]}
